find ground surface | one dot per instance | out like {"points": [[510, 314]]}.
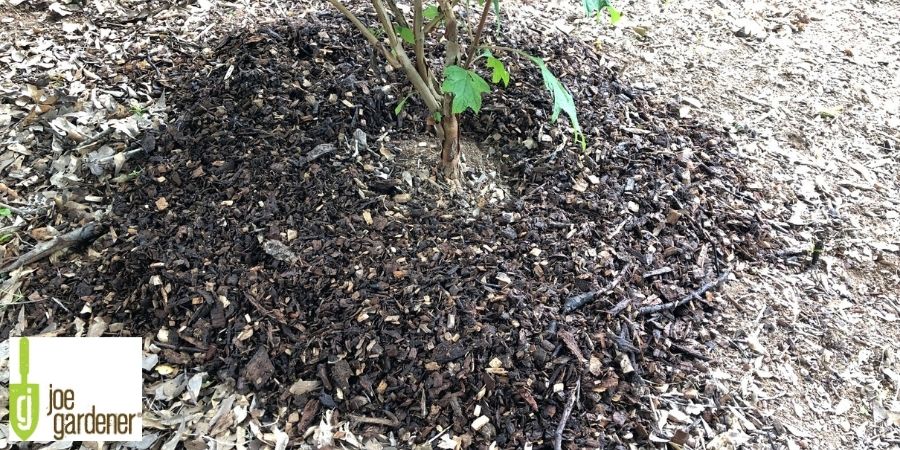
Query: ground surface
{"points": [[351, 298], [811, 91]]}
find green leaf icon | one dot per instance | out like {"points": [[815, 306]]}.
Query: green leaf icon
{"points": [[23, 398]]}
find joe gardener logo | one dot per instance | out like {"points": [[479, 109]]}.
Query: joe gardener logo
{"points": [[75, 389]]}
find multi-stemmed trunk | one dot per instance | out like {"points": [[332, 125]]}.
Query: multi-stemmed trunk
{"points": [[423, 81]]}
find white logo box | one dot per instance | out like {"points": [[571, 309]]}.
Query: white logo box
{"points": [[96, 384]]}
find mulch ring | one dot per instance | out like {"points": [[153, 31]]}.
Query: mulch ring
{"points": [[354, 282]]}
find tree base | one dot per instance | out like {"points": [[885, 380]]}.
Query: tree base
{"points": [[450, 151]]}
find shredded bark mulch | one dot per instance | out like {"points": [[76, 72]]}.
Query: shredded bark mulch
{"points": [[348, 278]]}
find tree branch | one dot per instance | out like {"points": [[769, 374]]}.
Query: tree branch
{"points": [[398, 15], [385, 22], [429, 96], [430, 26], [467, 14], [365, 32], [84, 234], [419, 38], [452, 34], [476, 41], [696, 294], [567, 411], [577, 301]]}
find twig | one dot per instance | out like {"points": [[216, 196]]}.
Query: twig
{"points": [[476, 41], [316, 153], [398, 15], [419, 38], [56, 300], [752, 100], [689, 351], [428, 95], [9, 230], [14, 209], [365, 32], [451, 33], [125, 155], [94, 139], [86, 233], [656, 272], [575, 302], [381, 14], [179, 348], [431, 26], [375, 420], [696, 294], [623, 344], [557, 438]]}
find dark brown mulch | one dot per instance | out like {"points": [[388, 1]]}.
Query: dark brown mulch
{"points": [[428, 311]]}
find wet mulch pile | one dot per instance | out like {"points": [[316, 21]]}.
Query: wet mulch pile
{"points": [[355, 283]]}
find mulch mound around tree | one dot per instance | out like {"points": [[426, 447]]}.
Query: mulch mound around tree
{"points": [[349, 280]]}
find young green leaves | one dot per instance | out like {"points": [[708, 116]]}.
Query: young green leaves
{"points": [[562, 99], [431, 12], [399, 108], [593, 8], [498, 70], [405, 34], [466, 87]]}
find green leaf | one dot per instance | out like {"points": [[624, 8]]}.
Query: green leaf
{"points": [[562, 99], [614, 14], [401, 105], [498, 70], [5, 237], [431, 12], [406, 34], [593, 8], [466, 87], [5, 212], [437, 116]]}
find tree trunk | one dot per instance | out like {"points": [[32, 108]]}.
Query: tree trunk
{"points": [[450, 147]]}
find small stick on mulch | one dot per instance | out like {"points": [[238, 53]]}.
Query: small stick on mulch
{"points": [[376, 421], [577, 301], [316, 153], [23, 211], [94, 139], [180, 348], [696, 294], [86, 233], [557, 438]]}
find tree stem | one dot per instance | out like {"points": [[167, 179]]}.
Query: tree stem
{"points": [[476, 41], [452, 34], [430, 26], [398, 15], [419, 35], [428, 94], [365, 32], [385, 22]]}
